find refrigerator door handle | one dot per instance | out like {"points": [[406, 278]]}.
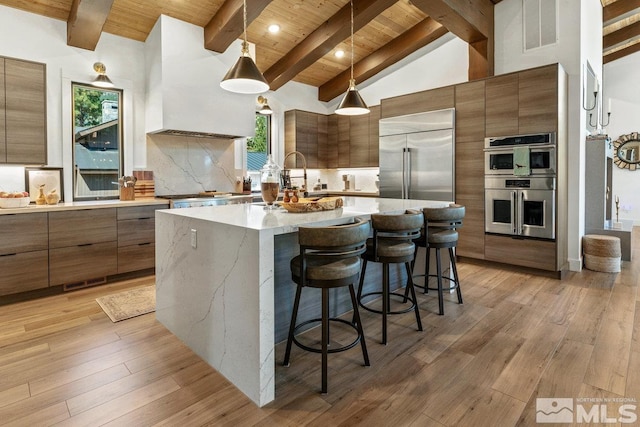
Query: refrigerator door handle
{"points": [[408, 173], [404, 173]]}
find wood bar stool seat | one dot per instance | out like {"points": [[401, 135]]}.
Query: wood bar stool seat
{"points": [[392, 243], [329, 258], [440, 232]]}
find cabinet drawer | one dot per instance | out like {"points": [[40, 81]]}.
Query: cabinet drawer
{"points": [[24, 272], [71, 228], [138, 212], [136, 257], [539, 254], [79, 263], [136, 231], [23, 233]]}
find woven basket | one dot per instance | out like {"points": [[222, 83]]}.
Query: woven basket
{"points": [[602, 253]]}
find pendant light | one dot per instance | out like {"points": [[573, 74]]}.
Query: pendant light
{"points": [[244, 76], [352, 104]]}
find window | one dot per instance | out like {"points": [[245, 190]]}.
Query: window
{"points": [[540, 23], [257, 149], [97, 142]]}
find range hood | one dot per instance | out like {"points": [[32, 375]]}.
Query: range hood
{"points": [[183, 93]]}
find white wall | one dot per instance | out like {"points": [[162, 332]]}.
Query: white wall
{"points": [[622, 86], [33, 37]]}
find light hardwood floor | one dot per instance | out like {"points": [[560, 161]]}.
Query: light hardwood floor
{"points": [[517, 337]]}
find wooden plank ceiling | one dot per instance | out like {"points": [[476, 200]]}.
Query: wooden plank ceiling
{"points": [[621, 28], [311, 31]]}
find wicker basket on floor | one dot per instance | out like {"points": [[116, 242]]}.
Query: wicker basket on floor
{"points": [[602, 253]]}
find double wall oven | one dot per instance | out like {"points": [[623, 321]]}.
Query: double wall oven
{"points": [[521, 202]]}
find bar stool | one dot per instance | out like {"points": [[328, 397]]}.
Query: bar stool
{"points": [[392, 243], [440, 225], [329, 258]]}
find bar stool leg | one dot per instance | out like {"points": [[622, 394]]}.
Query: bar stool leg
{"points": [[439, 271], [455, 274], [426, 270], [292, 325], [325, 337], [385, 300], [356, 320], [360, 285], [413, 295]]}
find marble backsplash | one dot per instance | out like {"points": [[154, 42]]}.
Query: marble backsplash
{"points": [[188, 165]]}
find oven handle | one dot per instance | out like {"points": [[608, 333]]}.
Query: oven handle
{"points": [[514, 212], [521, 213]]}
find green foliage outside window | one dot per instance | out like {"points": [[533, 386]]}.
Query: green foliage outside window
{"points": [[87, 104], [259, 142]]}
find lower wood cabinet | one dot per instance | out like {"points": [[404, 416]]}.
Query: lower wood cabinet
{"points": [[539, 254], [136, 238], [24, 263], [79, 263], [24, 271]]}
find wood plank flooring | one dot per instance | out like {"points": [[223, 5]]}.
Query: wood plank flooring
{"points": [[516, 337]]}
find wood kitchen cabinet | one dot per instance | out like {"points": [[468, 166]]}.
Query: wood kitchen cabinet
{"points": [[83, 245], [523, 103], [359, 141], [136, 238], [23, 126], [469, 166], [24, 252], [301, 134], [419, 102]]}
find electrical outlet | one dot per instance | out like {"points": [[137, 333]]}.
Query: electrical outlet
{"points": [[627, 207], [194, 238]]}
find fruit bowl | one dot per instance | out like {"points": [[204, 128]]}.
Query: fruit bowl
{"points": [[14, 202]]}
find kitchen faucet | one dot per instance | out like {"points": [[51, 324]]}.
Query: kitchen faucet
{"points": [[286, 172]]}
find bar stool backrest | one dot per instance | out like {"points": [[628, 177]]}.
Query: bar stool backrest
{"points": [[335, 238], [446, 218]]}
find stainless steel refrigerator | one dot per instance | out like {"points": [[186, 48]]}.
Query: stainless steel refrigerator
{"points": [[416, 156]]}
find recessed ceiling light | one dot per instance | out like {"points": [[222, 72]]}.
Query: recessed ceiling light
{"points": [[339, 53], [274, 28]]}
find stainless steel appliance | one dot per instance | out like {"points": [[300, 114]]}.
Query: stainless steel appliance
{"points": [[416, 156], [498, 154], [195, 200], [520, 206]]}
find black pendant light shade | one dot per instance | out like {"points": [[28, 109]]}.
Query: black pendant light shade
{"points": [[244, 76], [352, 104]]}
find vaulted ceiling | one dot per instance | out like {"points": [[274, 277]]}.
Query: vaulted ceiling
{"points": [[311, 31], [621, 28]]}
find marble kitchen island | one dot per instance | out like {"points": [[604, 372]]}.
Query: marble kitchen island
{"points": [[215, 280]]}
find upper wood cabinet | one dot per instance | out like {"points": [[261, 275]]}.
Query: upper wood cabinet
{"points": [[332, 141], [523, 103], [419, 102], [23, 134]]}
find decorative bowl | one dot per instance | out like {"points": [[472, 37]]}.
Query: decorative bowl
{"points": [[313, 205], [14, 202]]}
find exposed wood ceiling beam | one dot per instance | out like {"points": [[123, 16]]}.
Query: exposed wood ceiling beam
{"points": [[620, 53], [470, 20], [227, 24], [621, 36], [323, 39], [619, 10], [408, 42], [85, 23]]}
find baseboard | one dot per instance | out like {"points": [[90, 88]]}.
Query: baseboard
{"points": [[575, 264]]}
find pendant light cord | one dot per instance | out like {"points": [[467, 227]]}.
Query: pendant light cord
{"points": [[351, 2], [244, 20]]}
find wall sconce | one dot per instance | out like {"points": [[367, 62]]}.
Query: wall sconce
{"points": [[101, 79], [266, 110]]}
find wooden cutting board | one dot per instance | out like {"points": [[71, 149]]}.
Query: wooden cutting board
{"points": [[213, 193]]}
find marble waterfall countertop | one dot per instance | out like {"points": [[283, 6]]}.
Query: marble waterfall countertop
{"points": [[215, 269]]}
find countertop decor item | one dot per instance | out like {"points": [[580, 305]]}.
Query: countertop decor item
{"points": [[17, 202], [313, 204], [50, 177], [270, 182]]}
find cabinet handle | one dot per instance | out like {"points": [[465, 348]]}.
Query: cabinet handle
{"points": [[144, 244], [86, 244], [15, 253], [140, 219]]}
